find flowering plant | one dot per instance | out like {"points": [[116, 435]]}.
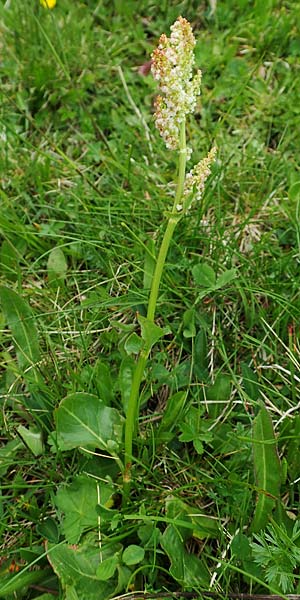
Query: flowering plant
{"points": [[172, 67], [48, 3]]}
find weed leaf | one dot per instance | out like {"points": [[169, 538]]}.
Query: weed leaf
{"points": [[150, 332], [20, 320], [32, 439], [57, 267], [133, 555], [204, 276], [77, 570], [267, 468], [107, 568], [175, 405], [186, 568], [78, 503], [83, 420]]}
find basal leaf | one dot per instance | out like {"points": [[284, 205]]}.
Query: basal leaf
{"points": [[84, 420], [133, 555], [250, 382], [174, 407], [267, 468], [204, 276], [57, 266], [225, 278], [189, 327], [8, 454], [107, 568], [78, 503], [21, 322], [187, 569], [218, 394], [32, 438], [77, 570]]}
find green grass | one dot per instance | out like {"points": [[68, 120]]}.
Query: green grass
{"points": [[85, 183]]}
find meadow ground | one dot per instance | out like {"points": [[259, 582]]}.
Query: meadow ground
{"points": [[85, 183]]}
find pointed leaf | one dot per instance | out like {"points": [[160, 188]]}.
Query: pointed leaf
{"points": [[189, 328], [32, 439], [185, 568], [150, 332], [20, 320], [175, 405], [267, 468], [250, 382], [107, 568], [57, 266], [225, 278], [204, 276], [84, 420]]}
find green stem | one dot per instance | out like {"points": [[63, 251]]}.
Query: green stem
{"points": [[132, 409]]}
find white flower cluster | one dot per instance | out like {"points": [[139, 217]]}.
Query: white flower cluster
{"points": [[195, 179], [172, 66]]}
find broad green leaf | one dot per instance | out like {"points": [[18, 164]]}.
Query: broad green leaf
{"points": [[8, 455], [189, 328], [250, 382], [187, 569], [195, 429], [240, 547], [84, 420], [266, 467], [32, 438], [77, 570], [78, 503], [204, 275], [150, 332], [133, 555], [225, 278], [133, 343], [48, 528], [175, 405], [104, 382], [294, 191], [218, 394], [57, 267], [107, 568], [21, 322]]}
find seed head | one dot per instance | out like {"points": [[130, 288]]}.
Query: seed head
{"points": [[172, 67]]}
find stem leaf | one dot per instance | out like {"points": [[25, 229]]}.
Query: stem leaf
{"points": [[150, 332]]}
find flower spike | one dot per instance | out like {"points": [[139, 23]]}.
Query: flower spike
{"points": [[172, 67]]}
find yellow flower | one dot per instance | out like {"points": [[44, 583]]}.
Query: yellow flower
{"points": [[48, 3]]}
